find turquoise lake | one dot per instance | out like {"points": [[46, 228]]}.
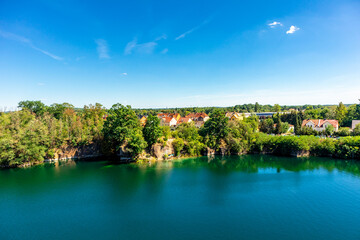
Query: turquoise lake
{"points": [[237, 197]]}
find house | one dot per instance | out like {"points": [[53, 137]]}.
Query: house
{"points": [[320, 124], [234, 116], [177, 116], [198, 118], [168, 121], [142, 119], [354, 123], [184, 120]]}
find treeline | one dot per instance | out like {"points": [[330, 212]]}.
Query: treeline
{"points": [[38, 131], [344, 113], [346, 147]]}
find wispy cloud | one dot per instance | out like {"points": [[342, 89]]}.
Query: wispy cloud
{"points": [[164, 51], [192, 30], [124, 74], [14, 37], [292, 30], [274, 24], [102, 48], [143, 48]]}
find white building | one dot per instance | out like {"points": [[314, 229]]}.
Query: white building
{"points": [[320, 124]]}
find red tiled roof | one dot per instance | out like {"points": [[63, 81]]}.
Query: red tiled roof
{"points": [[197, 115], [183, 120], [320, 122]]}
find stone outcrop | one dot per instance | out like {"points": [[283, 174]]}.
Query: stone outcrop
{"points": [[86, 151], [162, 151]]}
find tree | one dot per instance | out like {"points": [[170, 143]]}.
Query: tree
{"points": [[122, 128], [215, 129], [329, 130], [152, 130], [178, 145], [357, 111], [57, 110], [277, 108], [278, 129], [343, 132], [340, 112], [297, 127], [356, 130], [36, 107], [267, 126], [257, 107]]}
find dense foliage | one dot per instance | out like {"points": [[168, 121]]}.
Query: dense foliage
{"points": [[34, 134], [347, 147], [122, 130], [39, 131]]}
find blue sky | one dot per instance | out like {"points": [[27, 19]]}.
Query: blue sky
{"points": [[179, 53]]}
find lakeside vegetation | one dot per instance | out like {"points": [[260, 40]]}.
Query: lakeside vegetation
{"points": [[38, 132]]}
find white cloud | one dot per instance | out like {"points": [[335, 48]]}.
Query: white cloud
{"points": [[164, 51], [292, 29], [125, 74], [130, 46], [191, 30], [274, 24], [164, 36], [14, 37], [102, 48], [143, 48]]}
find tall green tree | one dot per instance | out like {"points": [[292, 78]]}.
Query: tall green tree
{"points": [[297, 126], [257, 107], [122, 128], [152, 130], [340, 112], [215, 129], [278, 129], [357, 111]]}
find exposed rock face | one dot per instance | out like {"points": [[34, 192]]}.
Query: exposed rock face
{"points": [[162, 150], [92, 150], [209, 152], [300, 154]]}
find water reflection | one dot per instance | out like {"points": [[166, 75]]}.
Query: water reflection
{"points": [[130, 177], [259, 163]]}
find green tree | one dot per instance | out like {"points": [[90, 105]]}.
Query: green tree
{"points": [[357, 111], [215, 129], [267, 126], [277, 108], [329, 130], [178, 145], [297, 126], [122, 128], [257, 107], [152, 130], [356, 130], [57, 110], [278, 129], [36, 107], [340, 112]]}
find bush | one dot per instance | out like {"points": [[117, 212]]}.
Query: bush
{"points": [[343, 132], [178, 145]]}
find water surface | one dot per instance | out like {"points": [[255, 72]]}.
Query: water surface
{"points": [[242, 197]]}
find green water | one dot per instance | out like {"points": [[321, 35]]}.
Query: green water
{"points": [[246, 197]]}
